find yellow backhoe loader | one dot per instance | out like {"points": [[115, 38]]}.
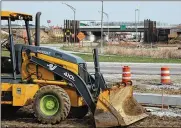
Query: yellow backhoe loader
{"points": [[58, 83]]}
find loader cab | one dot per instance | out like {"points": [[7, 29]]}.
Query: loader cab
{"points": [[11, 52], [11, 57]]}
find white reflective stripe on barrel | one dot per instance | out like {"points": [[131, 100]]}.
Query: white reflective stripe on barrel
{"points": [[126, 77], [165, 77], [165, 72], [126, 72]]}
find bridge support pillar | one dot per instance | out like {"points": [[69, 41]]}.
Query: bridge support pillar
{"points": [[91, 37]]}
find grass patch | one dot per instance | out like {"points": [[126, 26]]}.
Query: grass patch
{"points": [[117, 58], [161, 52]]}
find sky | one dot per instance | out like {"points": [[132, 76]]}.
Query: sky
{"points": [[163, 11]]}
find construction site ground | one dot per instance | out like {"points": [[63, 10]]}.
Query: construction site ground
{"points": [[149, 83], [24, 118], [142, 83]]}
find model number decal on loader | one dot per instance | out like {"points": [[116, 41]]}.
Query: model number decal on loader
{"points": [[69, 76], [44, 52]]}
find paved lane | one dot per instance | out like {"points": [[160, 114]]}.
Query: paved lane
{"points": [[136, 68]]}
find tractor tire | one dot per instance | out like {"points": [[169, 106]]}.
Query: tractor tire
{"points": [[51, 104], [8, 111], [78, 112]]}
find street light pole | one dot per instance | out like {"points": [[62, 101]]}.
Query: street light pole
{"points": [[74, 28], [139, 21], [107, 22], [74, 10], [136, 23], [102, 29], [108, 26]]}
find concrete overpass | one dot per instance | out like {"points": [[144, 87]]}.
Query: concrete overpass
{"points": [[97, 28], [117, 28], [93, 30]]}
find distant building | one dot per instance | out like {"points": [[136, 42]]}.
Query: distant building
{"points": [[57, 31], [175, 32]]}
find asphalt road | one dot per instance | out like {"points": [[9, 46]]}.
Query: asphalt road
{"points": [[136, 68]]}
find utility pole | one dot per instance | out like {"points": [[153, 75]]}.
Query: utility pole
{"points": [[102, 29], [74, 10]]}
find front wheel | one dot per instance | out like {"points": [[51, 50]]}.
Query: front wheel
{"points": [[51, 104]]}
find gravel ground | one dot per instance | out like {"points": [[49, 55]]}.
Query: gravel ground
{"points": [[25, 119], [148, 83], [156, 121], [151, 121], [32, 123], [142, 83], [170, 112]]}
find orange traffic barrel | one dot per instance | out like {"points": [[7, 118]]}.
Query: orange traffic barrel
{"points": [[126, 74], [165, 75]]}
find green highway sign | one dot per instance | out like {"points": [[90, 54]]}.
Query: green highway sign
{"points": [[123, 27]]}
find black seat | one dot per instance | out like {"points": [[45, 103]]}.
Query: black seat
{"points": [[6, 66], [9, 76], [18, 54]]}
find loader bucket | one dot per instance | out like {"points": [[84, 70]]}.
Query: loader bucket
{"points": [[117, 107]]}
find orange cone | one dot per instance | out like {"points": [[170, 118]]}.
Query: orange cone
{"points": [[165, 75], [126, 75]]}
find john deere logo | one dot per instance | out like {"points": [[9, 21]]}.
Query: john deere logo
{"points": [[51, 66]]}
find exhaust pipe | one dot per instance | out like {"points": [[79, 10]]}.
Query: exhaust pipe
{"points": [[96, 60], [96, 88], [37, 30], [99, 79]]}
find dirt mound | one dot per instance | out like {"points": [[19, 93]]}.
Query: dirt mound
{"points": [[123, 100], [19, 35], [132, 108]]}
